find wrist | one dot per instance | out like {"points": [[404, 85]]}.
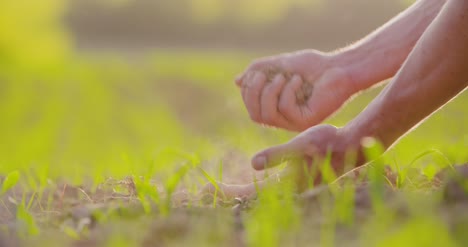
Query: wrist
{"points": [[370, 124], [351, 136], [351, 61]]}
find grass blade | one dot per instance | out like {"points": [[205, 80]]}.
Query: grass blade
{"points": [[10, 181]]}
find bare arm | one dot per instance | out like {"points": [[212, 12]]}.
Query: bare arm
{"points": [[335, 77], [379, 55], [435, 72]]}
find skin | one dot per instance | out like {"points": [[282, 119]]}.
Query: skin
{"points": [[335, 76], [434, 72]]}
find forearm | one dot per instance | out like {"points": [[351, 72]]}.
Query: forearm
{"points": [[434, 72], [379, 56]]}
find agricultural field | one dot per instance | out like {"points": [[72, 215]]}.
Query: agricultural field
{"points": [[115, 151], [102, 147]]}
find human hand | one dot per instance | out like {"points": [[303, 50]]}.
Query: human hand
{"points": [[295, 91], [310, 148]]}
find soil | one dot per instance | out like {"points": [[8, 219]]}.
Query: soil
{"points": [[305, 91], [98, 213]]}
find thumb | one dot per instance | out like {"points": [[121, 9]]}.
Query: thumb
{"points": [[239, 79], [275, 155]]}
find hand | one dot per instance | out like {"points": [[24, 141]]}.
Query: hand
{"points": [[295, 91], [313, 146], [309, 148]]}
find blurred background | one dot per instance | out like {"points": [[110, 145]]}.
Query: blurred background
{"points": [[223, 24], [90, 89]]}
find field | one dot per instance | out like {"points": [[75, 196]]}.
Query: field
{"points": [[114, 151]]}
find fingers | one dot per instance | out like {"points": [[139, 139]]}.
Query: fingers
{"points": [[287, 105], [276, 155], [269, 103], [273, 100], [272, 103], [239, 79], [257, 65], [244, 86], [252, 96]]}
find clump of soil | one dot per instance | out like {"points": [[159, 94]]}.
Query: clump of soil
{"points": [[302, 95]]}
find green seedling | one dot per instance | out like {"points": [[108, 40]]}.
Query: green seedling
{"points": [[26, 220], [373, 151], [214, 183], [10, 181]]}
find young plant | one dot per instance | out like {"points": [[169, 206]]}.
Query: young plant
{"points": [[145, 191], [173, 181], [373, 150], [213, 182], [275, 216], [23, 216], [10, 181]]}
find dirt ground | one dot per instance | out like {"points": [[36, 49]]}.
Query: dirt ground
{"points": [[90, 216]]}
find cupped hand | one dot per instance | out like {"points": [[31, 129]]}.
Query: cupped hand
{"points": [[294, 91]]}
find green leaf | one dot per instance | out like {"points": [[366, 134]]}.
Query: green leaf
{"points": [[213, 182], [24, 216], [209, 178], [328, 173], [69, 231], [373, 151], [10, 181]]}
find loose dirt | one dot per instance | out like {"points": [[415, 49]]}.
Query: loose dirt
{"points": [[97, 215], [304, 92]]}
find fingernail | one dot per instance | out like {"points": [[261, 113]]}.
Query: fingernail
{"points": [[278, 78], [238, 79], [259, 162]]}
